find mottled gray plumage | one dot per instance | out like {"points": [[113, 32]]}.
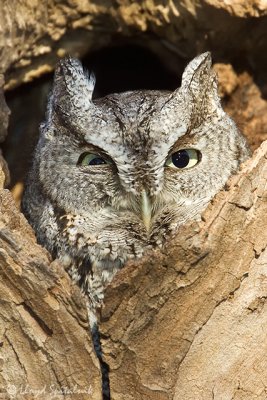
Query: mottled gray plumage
{"points": [[95, 217]]}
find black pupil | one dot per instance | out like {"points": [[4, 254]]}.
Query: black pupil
{"points": [[97, 161], [180, 159]]}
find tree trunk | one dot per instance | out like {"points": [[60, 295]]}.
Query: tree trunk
{"points": [[189, 322], [184, 323], [45, 348]]}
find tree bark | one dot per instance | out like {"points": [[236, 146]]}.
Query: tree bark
{"points": [[35, 34], [184, 323], [190, 322], [45, 346]]}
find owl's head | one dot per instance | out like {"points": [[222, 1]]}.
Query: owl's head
{"points": [[152, 157]]}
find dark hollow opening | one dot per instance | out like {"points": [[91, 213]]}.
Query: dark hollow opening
{"points": [[125, 68]]}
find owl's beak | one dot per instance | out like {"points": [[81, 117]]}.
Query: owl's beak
{"points": [[146, 209]]}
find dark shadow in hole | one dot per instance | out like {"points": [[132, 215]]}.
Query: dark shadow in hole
{"points": [[129, 67], [27, 105]]}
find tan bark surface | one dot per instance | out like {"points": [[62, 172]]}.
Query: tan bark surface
{"points": [[45, 348], [34, 34], [190, 322], [186, 323]]}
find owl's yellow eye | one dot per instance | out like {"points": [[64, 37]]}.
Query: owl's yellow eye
{"points": [[91, 159], [185, 158]]}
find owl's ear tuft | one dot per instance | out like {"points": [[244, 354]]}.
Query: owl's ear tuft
{"points": [[199, 67], [200, 81], [72, 88], [71, 77]]}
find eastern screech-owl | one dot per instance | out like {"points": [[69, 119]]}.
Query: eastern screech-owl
{"points": [[113, 177]]}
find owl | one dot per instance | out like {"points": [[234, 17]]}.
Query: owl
{"points": [[116, 176]]}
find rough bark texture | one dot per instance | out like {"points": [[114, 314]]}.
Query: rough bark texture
{"points": [[34, 34], [187, 323], [45, 347]]}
